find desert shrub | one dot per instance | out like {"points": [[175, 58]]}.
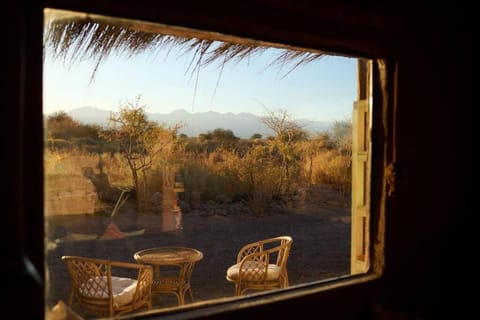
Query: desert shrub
{"points": [[224, 167], [116, 167], [254, 173], [257, 170], [59, 144], [333, 169], [194, 176]]}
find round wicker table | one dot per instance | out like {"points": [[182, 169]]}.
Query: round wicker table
{"points": [[176, 264]]}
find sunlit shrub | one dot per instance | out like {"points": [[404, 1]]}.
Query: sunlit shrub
{"points": [[333, 169]]}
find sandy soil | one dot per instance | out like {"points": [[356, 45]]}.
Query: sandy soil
{"points": [[320, 250]]}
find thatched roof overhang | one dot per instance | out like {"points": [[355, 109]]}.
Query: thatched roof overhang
{"points": [[73, 36]]}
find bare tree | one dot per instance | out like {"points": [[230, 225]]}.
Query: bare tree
{"points": [[287, 133], [141, 141]]}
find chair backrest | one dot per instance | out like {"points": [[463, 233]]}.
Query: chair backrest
{"points": [[279, 247], [108, 287], [263, 264]]}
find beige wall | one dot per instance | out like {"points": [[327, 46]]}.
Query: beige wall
{"points": [[69, 195]]}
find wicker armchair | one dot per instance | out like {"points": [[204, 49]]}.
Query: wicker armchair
{"points": [[261, 265], [108, 288]]}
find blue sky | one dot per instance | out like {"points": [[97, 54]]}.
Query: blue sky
{"points": [[322, 90]]}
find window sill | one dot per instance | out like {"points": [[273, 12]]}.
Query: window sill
{"points": [[218, 306]]}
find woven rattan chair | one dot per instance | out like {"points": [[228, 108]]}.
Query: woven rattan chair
{"points": [[261, 265], [108, 288]]}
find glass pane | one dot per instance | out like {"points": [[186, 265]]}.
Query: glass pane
{"points": [[169, 140]]}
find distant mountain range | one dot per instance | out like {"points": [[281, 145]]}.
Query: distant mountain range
{"points": [[243, 125]]}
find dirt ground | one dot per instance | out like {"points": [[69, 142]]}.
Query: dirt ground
{"points": [[320, 249]]}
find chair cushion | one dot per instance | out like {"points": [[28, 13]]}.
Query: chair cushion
{"points": [[273, 271], [123, 289]]}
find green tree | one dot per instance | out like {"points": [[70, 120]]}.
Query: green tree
{"points": [[61, 126], [65, 132], [224, 138]]}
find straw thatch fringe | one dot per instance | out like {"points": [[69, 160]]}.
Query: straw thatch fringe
{"points": [[72, 37]]}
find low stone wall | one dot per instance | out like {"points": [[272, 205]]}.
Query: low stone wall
{"points": [[70, 195]]}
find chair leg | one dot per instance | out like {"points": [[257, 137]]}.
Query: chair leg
{"points": [[70, 297], [181, 298], [238, 290], [190, 294]]}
